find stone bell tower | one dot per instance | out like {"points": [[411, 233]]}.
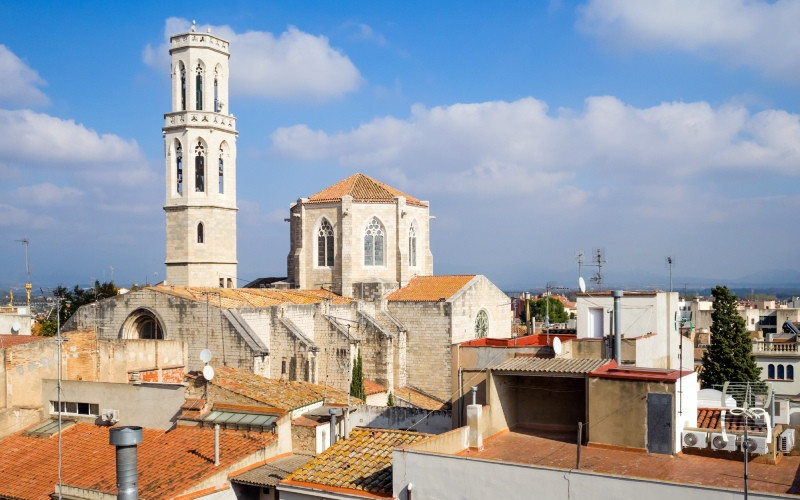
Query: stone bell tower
{"points": [[200, 149]]}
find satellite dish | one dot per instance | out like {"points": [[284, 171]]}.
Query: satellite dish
{"points": [[582, 284], [208, 372], [557, 346], [16, 327], [205, 355]]}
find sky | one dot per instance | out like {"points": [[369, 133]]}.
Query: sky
{"points": [[537, 131]]}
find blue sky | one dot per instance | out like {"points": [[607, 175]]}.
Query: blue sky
{"points": [[536, 130]]}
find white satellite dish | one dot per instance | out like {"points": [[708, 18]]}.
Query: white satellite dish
{"points": [[16, 327], [205, 355], [557, 346], [582, 284], [208, 372]]}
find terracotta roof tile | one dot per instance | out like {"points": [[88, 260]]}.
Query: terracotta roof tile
{"points": [[232, 298], [420, 399], [361, 462], [12, 340], [430, 288], [169, 462], [285, 395], [363, 189], [711, 418], [371, 388]]}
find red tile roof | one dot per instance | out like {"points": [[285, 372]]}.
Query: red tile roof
{"points": [[12, 340], [430, 288], [362, 462], [420, 399], [371, 388], [229, 298], [170, 463], [527, 340], [363, 189], [711, 418]]}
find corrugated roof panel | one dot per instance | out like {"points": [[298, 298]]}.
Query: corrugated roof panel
{"points": [[554, 365]]}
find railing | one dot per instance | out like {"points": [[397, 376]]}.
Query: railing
{"points": [[778, 347], [200, 118]]}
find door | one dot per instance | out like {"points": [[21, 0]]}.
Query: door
{"points": [[596, 323], [659, 423]]}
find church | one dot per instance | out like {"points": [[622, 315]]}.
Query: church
{"points": [[359, 271]]}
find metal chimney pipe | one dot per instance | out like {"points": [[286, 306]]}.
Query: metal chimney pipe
{"points": [[617, 294], [332, 413], [216, 445], [474, 393], [126, 439]]}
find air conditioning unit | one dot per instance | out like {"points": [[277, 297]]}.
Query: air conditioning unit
{"points": [[110, 416], [786, 441], [724, 442], [694, 439], [755, 444]]}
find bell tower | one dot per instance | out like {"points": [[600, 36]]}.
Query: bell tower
{"points": [[200, 150]]}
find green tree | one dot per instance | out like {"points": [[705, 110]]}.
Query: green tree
{"points": [[77, 297], [390, 401], [729, 358], [48, 329], [557, 313], [357, 382]]}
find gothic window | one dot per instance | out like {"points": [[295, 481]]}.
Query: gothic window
{"points": [[412, 245], [199, 87], [221, 169], [200, 235], [771, 371], [199, 168], [373, 243], [216, 93], [183, 88], [179, 166], [481, 324], [780, 372], [325, 244]]}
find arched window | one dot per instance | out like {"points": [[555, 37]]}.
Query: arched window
{"points": [[221, 170], [178, 167], [325, 244], [780, 372], [481, 324], [216, 92], [199, 87], [200, 235], [199, 167], [373, 243], [412, 245], [183, 87], [771, 371], [789, 372]]}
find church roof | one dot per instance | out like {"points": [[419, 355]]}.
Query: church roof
{"points": [[233, 298], [363, 189], [430, 288]]}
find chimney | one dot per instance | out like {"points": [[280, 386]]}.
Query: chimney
{"points": [[617, 294], [474, 417], [126, 439], [332, 413]]}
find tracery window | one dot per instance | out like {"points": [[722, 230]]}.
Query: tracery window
{"points": [[199, 167], [374, 243], [199, 87], [221, 169], [216, 92], [481, 324], [412, 245], [200, 233], [183, 87], [179, 167], [325, 244]]}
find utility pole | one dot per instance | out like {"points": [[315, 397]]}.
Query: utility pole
{"points": [[28, 285]]}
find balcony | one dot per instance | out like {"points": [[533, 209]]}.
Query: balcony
{"points": [[201, 119], [768, 347]]}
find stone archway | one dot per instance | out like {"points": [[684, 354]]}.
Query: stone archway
{"points": [[143, 324]]}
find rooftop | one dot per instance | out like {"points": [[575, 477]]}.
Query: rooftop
{"points": [[12, 340], [420, 399], [363, 189], [525, 448], [710, 418], [362, 462], [536, 340], [430, 288], [233, 298], [282, 394], [273, 471], [531, 364], [170, 463], [371, 388]]}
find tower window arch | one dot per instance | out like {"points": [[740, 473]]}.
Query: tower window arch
{"points": [[216, 91], [374, 240], [178, 167], [770, 371], [200, 233], [199, 86], [199, 167], [481, 324], [182, 70], [220, 177], [412, 245], [780, 372], [325, 244]]}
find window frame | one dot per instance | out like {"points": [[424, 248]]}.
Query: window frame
{"points": [[326, 245], [378, 239]]}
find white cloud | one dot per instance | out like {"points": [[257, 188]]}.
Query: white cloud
{"points": [[519, 147], [294, 64], [18, 82], [49, 195], [365, 33], [758, 34]]}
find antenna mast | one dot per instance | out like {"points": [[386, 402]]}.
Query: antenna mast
{"points": [[599, 260], [670, 262], [28, 285]]}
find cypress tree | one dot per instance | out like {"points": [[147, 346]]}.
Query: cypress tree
{"points": [[729, 358], [357, 382]]}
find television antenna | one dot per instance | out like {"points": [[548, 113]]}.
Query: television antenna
{"points": [[28, 285], [599, 259], [670, 262]]}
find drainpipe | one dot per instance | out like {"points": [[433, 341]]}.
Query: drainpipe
{"points": [[617, 294], [126, 439], [216, 445]]}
